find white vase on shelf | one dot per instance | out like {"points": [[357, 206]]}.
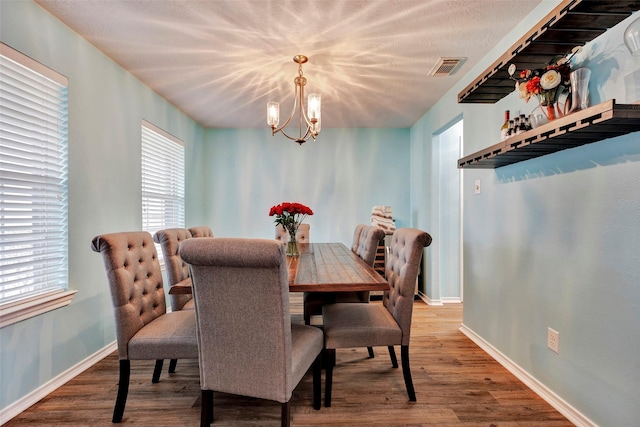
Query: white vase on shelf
{"points": [[632, 37]]}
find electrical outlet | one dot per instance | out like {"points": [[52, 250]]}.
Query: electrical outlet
{"points": [[477, 186], [553, 340]]}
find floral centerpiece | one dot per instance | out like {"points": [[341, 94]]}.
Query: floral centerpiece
{"points": [[546, 83], [290, 216]]}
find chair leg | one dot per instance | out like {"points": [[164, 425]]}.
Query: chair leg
{"points": [[371, 355], [328, 381], [211, 407], [172, 365], [317, 381], [306, 315], [206, 412], [285, 416], [157, 371], [406, 372], [392, 355], [123, 391]]}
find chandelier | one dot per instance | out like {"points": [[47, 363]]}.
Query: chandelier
{"points": [[309, 121]]}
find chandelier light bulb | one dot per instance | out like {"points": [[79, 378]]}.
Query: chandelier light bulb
{"points": [[273, 114], [314, 106], [314, 103]]}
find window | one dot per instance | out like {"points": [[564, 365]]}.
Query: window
{"points": [[162, 181], [33, 188]]}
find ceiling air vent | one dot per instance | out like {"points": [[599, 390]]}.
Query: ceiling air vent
{"points": [[446, 66]]}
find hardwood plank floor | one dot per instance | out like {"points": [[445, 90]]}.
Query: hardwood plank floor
{"points": [[457, 384]]}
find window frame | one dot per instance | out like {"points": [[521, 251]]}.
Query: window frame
{"points": [[59, 295], [174, 190]]}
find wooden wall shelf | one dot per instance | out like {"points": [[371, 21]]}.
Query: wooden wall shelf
{"points": [[572, 23], [593, 124]]}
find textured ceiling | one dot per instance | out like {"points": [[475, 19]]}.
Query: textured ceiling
{"points": [[221, 61]]}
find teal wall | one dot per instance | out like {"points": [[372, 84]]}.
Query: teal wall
{"points": [[341, 176], [106, 106], [553, 241]]}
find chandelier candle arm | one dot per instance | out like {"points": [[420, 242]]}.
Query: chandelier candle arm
{"points": [[308, 121]]}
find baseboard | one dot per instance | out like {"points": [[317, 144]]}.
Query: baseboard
{"points": [[379, 297], [428, 300], [30, 399], [438, 302], [571, 413]]}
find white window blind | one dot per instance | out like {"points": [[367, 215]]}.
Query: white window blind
{"points": [[33, 178], [162, 180]]}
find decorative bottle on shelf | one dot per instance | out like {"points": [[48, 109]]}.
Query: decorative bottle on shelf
{"points": [[511, 130], [516, 126], [523, 123], [505, 127]]}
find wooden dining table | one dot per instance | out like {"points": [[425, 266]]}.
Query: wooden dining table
{"points": [[331, 267], [322, 267]]}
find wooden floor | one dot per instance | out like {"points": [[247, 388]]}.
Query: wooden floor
{"points": [[457, 384]]}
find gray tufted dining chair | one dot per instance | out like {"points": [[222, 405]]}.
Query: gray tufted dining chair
{"points": [[365, 244], [144, 330], [177, 270], [247, 343], [366, 249], [348, 325], [302, 234], [356, 236], [201, 231]]}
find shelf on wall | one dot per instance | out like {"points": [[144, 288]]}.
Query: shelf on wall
{"points": [[602, 121], [572, 23]]}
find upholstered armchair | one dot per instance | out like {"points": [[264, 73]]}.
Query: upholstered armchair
{"points": [[144, 329], [247, 344], [348, 325]]}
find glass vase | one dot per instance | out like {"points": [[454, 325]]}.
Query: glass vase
{"points": [[632, 37], [292, 244], [580, 89], [549, 111]]}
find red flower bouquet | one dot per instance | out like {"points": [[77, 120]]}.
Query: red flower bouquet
{"points": [[290, 216]]}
